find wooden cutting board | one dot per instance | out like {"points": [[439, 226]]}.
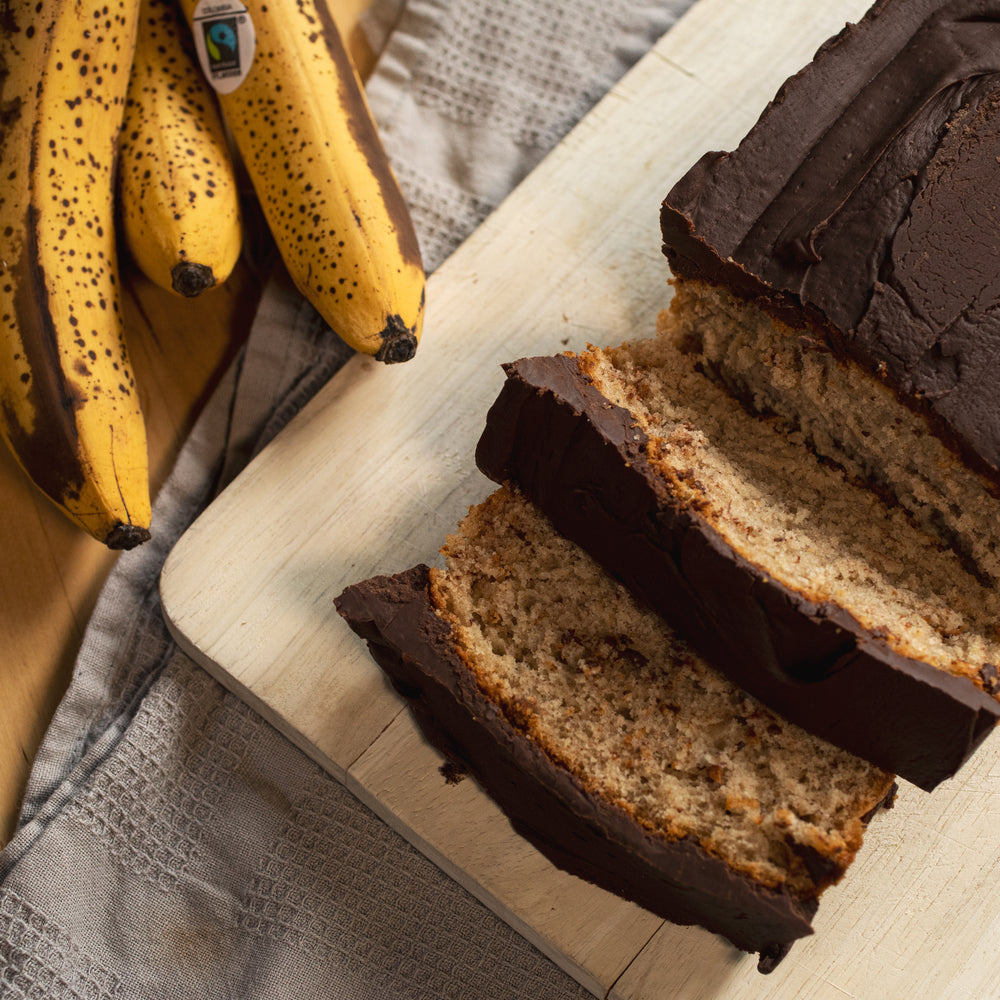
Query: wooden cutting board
{"points": [[379, 468]]}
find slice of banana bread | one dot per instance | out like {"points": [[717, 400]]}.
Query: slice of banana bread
{"points": [[809, 589], [609, 744]]}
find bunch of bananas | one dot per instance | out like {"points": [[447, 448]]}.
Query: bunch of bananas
{"points": [[110, 124]]}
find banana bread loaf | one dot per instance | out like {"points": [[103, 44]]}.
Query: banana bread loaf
{"points": [[609, 744], [840, 268]]}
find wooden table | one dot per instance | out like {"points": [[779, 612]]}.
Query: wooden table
{"points": [[52, 572]]}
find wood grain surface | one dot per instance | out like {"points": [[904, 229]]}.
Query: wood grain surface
{"points": [[374, 473], [52, 572]]}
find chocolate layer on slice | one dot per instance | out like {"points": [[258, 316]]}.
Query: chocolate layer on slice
{"points": [[620, 754], [862, 206], [611, 487], [586, 837]]}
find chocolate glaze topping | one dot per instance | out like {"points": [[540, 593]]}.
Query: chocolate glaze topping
{"points": [[547, 805], [863, 202], [582, 460]]}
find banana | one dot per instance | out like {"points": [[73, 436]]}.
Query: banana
{"points": [[177, 188], [299, 117], [68, 404]]}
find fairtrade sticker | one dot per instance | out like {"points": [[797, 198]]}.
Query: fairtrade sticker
{"points": [[224, 40]]}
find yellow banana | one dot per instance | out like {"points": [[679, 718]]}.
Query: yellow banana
{"points": [[299, 117], [68, 404], [177, 189]]}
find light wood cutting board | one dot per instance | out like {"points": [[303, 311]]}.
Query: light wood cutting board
{"points": [[379, 468]]}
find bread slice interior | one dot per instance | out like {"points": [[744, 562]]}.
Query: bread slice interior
{"points": [[805, 517], [610, 695], [843, 413]]}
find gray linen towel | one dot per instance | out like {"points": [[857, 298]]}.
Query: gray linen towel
{"points": [[173, 844]]}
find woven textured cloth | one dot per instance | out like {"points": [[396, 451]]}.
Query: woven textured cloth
{"points": [[173, 844]]}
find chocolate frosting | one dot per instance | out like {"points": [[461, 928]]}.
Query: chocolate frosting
{"points": [[582, 460], [863, 202], [546, 804]]}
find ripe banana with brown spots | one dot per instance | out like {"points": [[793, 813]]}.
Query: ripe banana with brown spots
{"points": [[177, 189], [299, 117], [68, 404]]}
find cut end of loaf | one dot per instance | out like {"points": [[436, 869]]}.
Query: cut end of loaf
{"points": [[844, 413]]}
